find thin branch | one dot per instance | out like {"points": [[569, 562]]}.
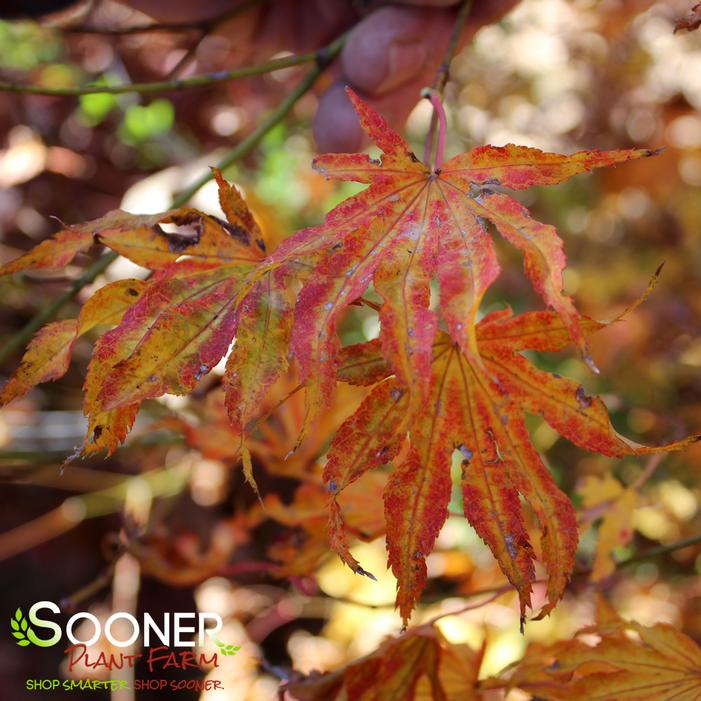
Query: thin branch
{"points": [[177, 84], [660, 550], [104, 579], [471, 607], [323, 58], [186, 58], [444, 70], [365, 302], [496, 591], [653, 463], [75, 510], [236, 569]]}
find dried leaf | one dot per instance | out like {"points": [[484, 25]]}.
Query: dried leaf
{"points": [[421, 664], [656, 663], [615, 530], [691, 22]]}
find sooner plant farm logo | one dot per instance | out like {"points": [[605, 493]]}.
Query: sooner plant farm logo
{"points": [[165, 643]]}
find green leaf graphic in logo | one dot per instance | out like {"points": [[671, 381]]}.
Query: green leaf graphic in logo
{"points": [[21, 630], [226, 650], [24, 634]]}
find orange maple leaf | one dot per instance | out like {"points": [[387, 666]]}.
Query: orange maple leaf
{"points": [[482, 416]]}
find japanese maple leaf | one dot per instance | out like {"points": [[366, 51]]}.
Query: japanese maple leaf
{"points": [[478, 410], [628, 662], [414, 223], [180, 322]]}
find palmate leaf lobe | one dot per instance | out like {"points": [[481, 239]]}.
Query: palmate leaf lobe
{"points": [[141, 239], [49, 353]]}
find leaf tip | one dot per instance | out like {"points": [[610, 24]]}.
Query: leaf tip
{"points": [[354, 98], [589, 361], [365, 573]]}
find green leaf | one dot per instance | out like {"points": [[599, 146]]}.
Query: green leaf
{"points": [[17, 634], [14, 624], [143, 122], [23, 643], [18, 614], [23, 624]]}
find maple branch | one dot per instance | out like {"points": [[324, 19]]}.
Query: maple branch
{"points": [[196, 81], [104, 579], [76, 509], [444, 69], [471, 607], [323, 58], [652, 464], [660, 550]]}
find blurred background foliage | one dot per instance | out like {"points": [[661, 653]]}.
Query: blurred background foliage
{"points": [[170, 517]]}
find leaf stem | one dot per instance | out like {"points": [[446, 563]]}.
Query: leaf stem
{"points": [[323, 58], [441, 79], [434, 97]]}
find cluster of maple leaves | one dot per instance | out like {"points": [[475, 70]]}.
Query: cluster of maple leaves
{"points": [[438, 380], [627, 661]]}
